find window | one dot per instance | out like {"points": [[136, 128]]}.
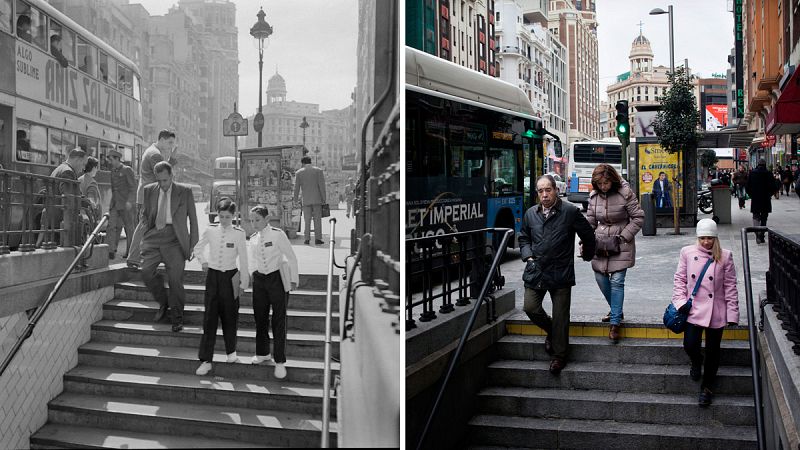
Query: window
{"points": [[31, 25], [31, 142], [57, 156], [103, 67], [125, 76], [104, 149], [6, 16], [89, 145], [87, 57], [136, 89], [62, 42]]}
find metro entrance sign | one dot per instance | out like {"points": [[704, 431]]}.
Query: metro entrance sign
{"points": [[234, 125]]}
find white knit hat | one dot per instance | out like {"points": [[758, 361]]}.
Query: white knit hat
{"points": [[707, 228]]}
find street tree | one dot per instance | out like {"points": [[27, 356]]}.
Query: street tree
{"points": [[708, 159], [676, 127]]}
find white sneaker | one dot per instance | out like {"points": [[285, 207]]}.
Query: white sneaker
{"points": [[261, 359], [232, 358], [204, 368], [280, 371]]}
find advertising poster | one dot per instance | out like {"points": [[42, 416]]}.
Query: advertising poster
{"points": [[653, 162], [716, 117]]}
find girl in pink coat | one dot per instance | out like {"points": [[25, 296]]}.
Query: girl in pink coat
{"points": [[715, 305]]}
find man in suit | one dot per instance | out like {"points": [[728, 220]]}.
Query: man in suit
{"points": [[123, 199], [312, 181], [162, 150], [166, 239], [662, 191]]}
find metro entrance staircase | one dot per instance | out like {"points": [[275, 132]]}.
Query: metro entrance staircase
{"points": [[636, 394], [135, 386]]}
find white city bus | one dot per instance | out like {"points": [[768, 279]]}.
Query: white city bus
{"points": [[583, 158]]}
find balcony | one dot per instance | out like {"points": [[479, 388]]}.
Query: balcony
{"points": [[768, 82], [758, 101]]}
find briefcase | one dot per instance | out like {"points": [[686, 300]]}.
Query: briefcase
{"points": [[326, 210]]}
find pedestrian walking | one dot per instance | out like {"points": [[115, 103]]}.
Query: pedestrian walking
{"points": [[787, 178], [760, 187], [547, 243], [740, 182], [161, 150], [275, 274], [615, 215], [123, 199], [349, 195], [166, 238], [797, 181], [90, 189], [311, 180], [715, 304], [217, 252]]}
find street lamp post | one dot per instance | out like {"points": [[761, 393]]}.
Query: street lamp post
{"points": [[261, 31], [316, 153], [656, 12], [304, 125]]}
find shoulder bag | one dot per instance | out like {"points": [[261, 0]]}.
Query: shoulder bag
{"points": [[676, 320]]}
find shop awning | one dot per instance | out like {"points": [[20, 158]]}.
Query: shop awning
{"points": [[785, 116], [726, 139]]}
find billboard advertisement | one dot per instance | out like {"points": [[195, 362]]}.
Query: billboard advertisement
{"points": [[657, 169], [716, 117]]}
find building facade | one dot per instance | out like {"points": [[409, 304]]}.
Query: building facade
{"points": [[575, 25]]}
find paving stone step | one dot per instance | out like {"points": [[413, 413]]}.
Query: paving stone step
{"points": [[497, 430], [615, 377], [144, 311], [184, 360], [195, 294], [308, 345], [250, 425], [618, 406], [309, 281], [627, 351], [54, 436], [276, 395]]}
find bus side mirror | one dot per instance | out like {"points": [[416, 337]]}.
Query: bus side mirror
{"points": [[557, 149]]}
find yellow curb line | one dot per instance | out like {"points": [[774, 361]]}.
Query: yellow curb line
{"points": [[627, 332]]}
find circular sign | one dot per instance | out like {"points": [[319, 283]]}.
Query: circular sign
{"points": [[258, 122], [647, 177], [236, 126]]}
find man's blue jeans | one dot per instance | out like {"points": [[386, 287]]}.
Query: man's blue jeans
{"points": [[612, 285]]}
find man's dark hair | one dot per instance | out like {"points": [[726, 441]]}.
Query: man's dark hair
{"points": [[661, 173], [226, 204], [162, 166], [23, 20], [305, 160], [261, 210], [165, 134], [549, 178], [91, 163]]}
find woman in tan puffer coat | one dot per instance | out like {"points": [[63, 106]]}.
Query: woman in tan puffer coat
{"points": [[615, 215]]}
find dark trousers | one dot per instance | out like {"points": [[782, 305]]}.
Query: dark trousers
{"points": [[691, 343], [117, 220], [268, 292], [760, 220], [219, 305], [557, 327], [162, 246]]}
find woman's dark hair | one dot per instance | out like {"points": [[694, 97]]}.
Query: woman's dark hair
{"points": [[261, 210], [226, 204], [608, 172], [91, 163]]}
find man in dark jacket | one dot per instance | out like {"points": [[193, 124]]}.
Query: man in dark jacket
{"points": [[761, 186], [547, 243], [740, 182]]}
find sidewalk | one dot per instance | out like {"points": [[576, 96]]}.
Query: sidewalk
{"points": [[648, 285]]}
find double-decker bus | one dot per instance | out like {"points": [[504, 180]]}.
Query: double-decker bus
{"points": [[583, 158], [469, 155], [65, 88]]}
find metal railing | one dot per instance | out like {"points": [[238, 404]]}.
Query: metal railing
{"points": [[754, 352], [38, 211], [43, 307], [447, 267], [783, 284], [487, 282], [326, 383]]}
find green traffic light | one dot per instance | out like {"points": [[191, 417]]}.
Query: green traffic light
{"points": [[530, 134], [622, 128]]}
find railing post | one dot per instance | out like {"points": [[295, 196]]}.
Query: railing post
{"points": [[463, 288], [5, 212], [447, 304], [326, 383]]}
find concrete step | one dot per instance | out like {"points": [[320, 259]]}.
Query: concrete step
{"points": [[54, 436], [496, 430], [308, 281], [184, 360], [136, 414], [195, 294], [627, 351], [144, 311], [677, 409], [307, 345], [616, 377]]}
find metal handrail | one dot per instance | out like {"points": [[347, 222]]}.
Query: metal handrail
{"points": [[501, 250], [754, 364], [43, 307], [326, 386]]}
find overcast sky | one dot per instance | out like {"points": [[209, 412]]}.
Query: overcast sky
{"points": [[313, 46], [703, 33]]}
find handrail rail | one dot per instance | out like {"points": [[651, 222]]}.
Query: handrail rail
{"points": [[501, 250], [754, 363], [326, 386], [43, 307]]}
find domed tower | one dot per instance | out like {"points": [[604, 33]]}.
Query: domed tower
{"points": [[641, 55], [276, 89]]}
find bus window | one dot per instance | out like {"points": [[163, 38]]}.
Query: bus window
{"points": [[88, 145], [55, 147], [127, 154], [136, 90], [67, 142], [23, 141], [87, 57], [102, 68], [6, 16], [503, 171], [31, 25], [104, 149], [62, 44], [125, 83]]}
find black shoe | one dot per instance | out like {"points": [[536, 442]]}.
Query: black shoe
{"points": [[548, 346], [176, 327], [307, 242], [695, 373], [557, 365], [319, 242], [705, 397], [160, 314]]}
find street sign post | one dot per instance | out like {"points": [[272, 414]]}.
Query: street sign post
{"points": [[236, 125], [258, 122]]}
